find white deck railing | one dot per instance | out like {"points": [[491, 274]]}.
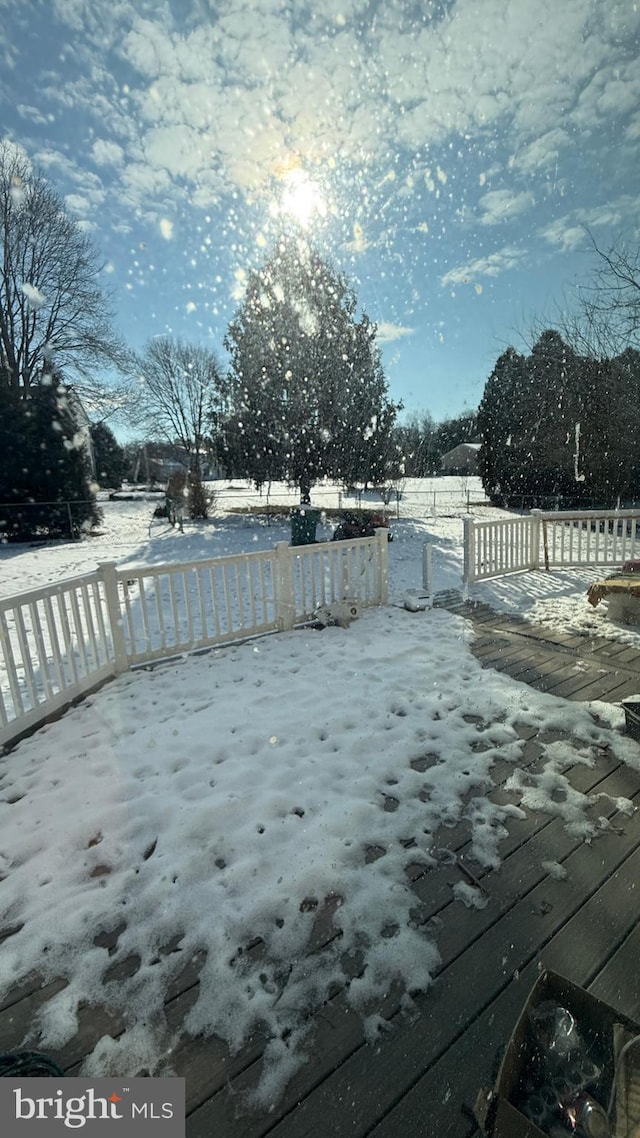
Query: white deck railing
{"points": [[550, 540], [59, 642]]}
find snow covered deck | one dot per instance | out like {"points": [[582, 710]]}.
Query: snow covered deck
{"points": [[413, 1067]]}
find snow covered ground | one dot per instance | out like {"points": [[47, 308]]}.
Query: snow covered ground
{"points": [[225, 797]]}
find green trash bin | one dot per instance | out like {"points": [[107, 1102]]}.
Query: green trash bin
{"points": [[304, 520]]}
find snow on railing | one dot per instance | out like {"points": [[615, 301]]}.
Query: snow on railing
{"points": [[59, 642], [550, 539]]}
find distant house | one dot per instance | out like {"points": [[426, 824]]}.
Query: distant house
{"points": [[463, 459]]}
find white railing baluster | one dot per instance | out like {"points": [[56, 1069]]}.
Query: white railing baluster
{"points": [[68, 642], [103, 654], [54, 641], [88, 616], [226, 569], [10, 665], [78, 633], [25, 657], [187, 578], [315, 592], [133, 640], [41, 651], [253, 620], [157, 611], [174, 611], [215, 601], [239, 595], [199, 582], [144, 613]]}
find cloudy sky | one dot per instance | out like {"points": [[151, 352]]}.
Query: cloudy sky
{"points": [[447, 154]]}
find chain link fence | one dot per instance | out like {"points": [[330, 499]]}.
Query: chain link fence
{"points": [[41, 521]]}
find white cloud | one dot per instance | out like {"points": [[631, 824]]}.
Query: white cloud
{"points": [[564, 234], [166, 228], [491, 266], [32, 113], [180, 150], [503, 205], [543, 152], [107, 153], [387, 333], [77, 204]]}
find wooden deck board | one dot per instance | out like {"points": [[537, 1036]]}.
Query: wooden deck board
{"points": [[572, 667]]}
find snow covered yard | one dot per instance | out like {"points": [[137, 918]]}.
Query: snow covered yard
{"points": [[252, 791]]}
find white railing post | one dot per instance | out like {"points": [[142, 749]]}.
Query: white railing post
{"points": [[382, 535], [469, 564], [283, 586], [107, 570], [535, 538]]}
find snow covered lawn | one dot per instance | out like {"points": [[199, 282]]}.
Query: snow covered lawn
{"points": [[226, 797]]}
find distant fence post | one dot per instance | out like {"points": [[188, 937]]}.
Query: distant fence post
{"points": [[283, 586], [535, 539], [107, 570], [469, 563]]}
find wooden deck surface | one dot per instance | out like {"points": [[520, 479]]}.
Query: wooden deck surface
{"points": [[423, 1076], [568, 665]]}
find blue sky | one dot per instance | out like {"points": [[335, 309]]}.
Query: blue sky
{"points": [[448, 155]]}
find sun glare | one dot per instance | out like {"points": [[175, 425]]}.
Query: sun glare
{"points": [[301, 198]]}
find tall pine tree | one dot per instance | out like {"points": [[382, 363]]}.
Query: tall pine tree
{"points": [[306, 396]]}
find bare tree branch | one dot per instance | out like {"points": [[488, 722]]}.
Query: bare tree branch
{"points": [[175, 387], [52, 307]]}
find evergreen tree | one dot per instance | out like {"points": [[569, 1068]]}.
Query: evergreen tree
{"points": [[306, 395], [108, 456], [44, 475], [501, 428]]}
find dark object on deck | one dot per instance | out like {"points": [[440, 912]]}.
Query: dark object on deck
{"points": [[28, 1065], [631, 710], [565, 1068], [355, 524], [304, 520]]}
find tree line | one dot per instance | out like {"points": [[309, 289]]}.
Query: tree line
{"points": [[559, 425], [560, 428]]}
